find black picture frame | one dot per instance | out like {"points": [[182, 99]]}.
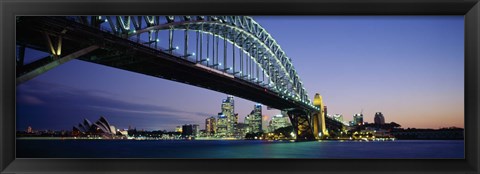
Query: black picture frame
{"points": [[9, 9]]}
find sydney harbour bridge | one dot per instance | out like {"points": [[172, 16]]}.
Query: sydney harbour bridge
{"points": [[228, 54]]}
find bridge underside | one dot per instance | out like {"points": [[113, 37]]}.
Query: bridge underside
{"points": [[124, 54], [301, 124], [91, 45]]}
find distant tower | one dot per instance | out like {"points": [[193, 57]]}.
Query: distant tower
{"points": [[318, 120], [29, 129], [379, 119]]}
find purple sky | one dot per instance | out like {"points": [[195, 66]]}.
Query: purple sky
{"points": [[410, 68]]}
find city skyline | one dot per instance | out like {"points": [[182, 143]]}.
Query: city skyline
{"points": [[436, 60]]}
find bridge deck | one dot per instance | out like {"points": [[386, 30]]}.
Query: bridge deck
{"points": [[127, 55]]}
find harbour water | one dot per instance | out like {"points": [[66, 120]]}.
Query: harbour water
{"points": [[403, 149]]}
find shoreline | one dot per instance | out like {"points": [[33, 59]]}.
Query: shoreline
{"points": [[210, 139]]}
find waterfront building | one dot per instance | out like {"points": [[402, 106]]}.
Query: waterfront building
{"points": [[228, 110], [221, 130], [187, 130], [278, 121], [195, 130], [178, 129], [379, 119], [358, 119], [254, 119], [112, 128], [210, 126], [241, 130], [99, 128]]}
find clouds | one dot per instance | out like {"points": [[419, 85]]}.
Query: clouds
{"points": [[69, 105], [30, 100]]}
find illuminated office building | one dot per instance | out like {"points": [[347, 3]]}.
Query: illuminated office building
{"points": [[228, 110], [221, 128], [358, 119], [379, 119], [177, 129], [254, 119], [210, 126]]}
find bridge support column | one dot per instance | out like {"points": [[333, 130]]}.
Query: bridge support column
{"points": [[301, 125], [318, 119]]}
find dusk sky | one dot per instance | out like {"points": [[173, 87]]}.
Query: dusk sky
{"points": [[410, 68]]}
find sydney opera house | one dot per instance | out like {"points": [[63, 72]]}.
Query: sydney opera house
{"points": [[100, 128]]}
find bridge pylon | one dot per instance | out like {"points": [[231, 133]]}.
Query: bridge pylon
{"points": [[318, 119], [301, 124]]}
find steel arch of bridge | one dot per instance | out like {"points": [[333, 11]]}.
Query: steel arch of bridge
{"points": [[242, 32]]}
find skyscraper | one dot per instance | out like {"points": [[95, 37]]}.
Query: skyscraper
{"points": [[221, 128], [228, 110], [210, 126], [254, 119], [358, 119], [379, 119]]}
